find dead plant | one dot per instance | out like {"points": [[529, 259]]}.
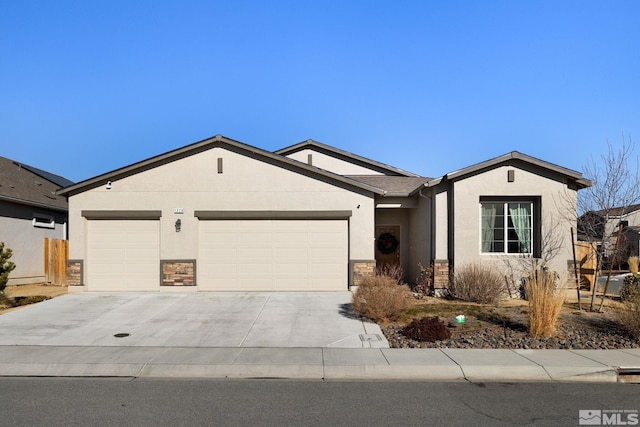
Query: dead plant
{"points": [[629, 317], [381, 299], [424, 281], [477, 283], [545, 302], [393, 271]]}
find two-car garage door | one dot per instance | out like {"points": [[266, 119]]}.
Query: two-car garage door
{"points": [[273, 255]]}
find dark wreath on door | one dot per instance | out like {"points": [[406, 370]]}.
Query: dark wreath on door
{"points": [[387, 246]]}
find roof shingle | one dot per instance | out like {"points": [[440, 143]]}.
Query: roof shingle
{"points": [[23, 185]]}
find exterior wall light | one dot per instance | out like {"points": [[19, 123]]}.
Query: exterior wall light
{"points": [[178, 225]]}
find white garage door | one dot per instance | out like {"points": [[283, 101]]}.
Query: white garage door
{"points": [[273, 255], [123, 255]]}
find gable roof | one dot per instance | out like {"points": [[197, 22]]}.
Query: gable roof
{"points": [[206, 144], [20, 183], [343, 155], [514, 155], [395, 186]]}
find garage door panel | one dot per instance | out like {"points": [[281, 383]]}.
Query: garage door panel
{"points": [[228, 270], [123, 255], [325, 254], [291, 239], [292, 253], [222, 255], [292, 284], [274, 255], [255, 284], [249, 254], [291, 269]]}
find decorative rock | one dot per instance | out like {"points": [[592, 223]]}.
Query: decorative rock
{"points": [[573, 337]]}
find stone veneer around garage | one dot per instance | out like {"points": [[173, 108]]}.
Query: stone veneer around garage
{"points": [[178, 272], [360, 270], [74, 272]]}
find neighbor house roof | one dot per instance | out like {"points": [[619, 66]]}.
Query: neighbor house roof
{"points": [[343, 155], [395, 186], [514, 155], [618, 211], [20, 183], [207, 144]]}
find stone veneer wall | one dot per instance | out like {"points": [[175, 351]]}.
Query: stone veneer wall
{"points": [[178, 272], [74, 272], [440, 276], [360, 270]]}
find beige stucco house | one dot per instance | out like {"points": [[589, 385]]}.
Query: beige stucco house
{"points": [[221, 215]]}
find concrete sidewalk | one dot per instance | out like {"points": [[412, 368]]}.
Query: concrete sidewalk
{"points": [[323, 363]]}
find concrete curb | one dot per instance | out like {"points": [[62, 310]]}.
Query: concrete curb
{"points": [[319, 363]]}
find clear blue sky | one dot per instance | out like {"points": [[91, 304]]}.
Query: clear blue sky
{"points": [[427, 86]]}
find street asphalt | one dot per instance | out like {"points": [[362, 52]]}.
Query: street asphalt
{"points": [[259, 335]]}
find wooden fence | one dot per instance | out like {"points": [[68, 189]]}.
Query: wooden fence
{"points": [[586, 256], [56, 254]]}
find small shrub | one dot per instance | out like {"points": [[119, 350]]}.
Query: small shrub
{"points": [[393, 271], [424, 281], [427, 329], [630, 289], [633, 262], [629, 317], [20, 301], [380, 298], [545, 302], [477, 283], [6, 266]]}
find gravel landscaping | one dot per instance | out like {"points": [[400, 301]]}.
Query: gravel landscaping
{"points": [[504, 326]]}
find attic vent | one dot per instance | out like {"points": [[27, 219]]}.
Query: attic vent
{"points": [[511, 175], [219, 164], [310, 159], [43, 221]]}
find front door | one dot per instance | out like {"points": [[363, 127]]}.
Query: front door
{"points": [[387, 246]]}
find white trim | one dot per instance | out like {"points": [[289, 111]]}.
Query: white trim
{"points": [[43, 221], [505, 228]]}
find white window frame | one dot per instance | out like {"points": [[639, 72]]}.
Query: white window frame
{"points": [[43, 221], [505, 227]]}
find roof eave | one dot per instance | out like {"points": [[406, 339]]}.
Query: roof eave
{"points": [[34, 204], [515, 155], [434, 182], [311, 143], [204, 145]]}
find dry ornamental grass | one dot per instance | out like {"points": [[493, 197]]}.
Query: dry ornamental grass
{"points": [[545, 302]]}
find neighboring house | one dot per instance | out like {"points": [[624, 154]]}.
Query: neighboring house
{"points": [[30, 210], [594, 225], [222, 215]]}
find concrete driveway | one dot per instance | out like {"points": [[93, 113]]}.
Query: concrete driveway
{"points": [[206, 319]]}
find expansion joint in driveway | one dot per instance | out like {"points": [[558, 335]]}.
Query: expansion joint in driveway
{"points": [[255, 320]]}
